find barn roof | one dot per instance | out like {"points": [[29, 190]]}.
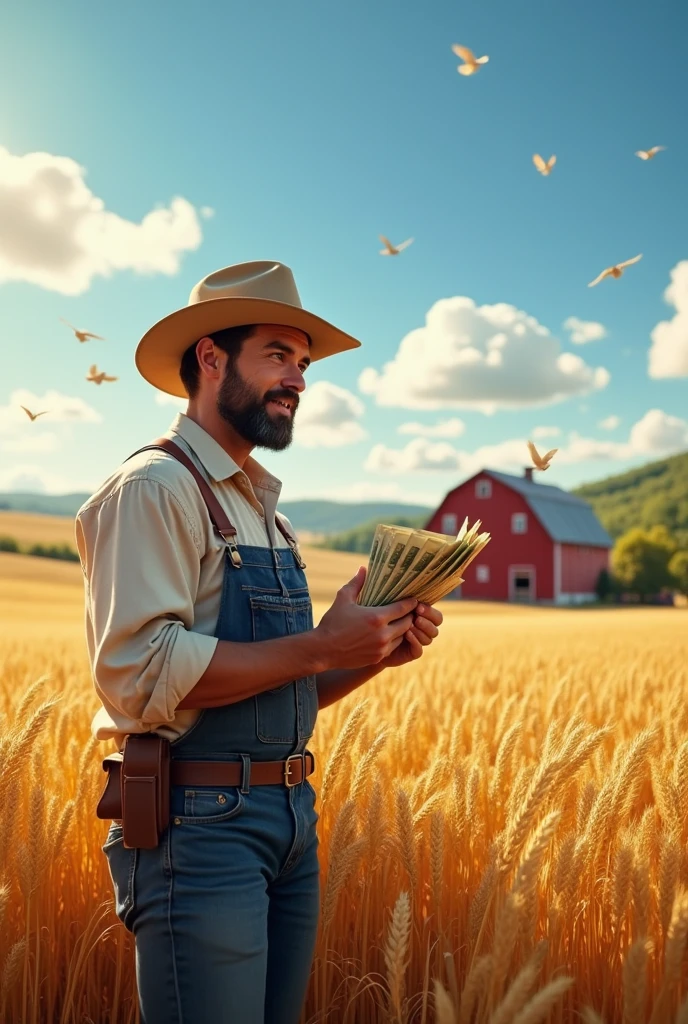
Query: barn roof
{"points": [[567, 519]]}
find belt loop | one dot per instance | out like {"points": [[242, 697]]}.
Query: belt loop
{"points": [[245, 773]]}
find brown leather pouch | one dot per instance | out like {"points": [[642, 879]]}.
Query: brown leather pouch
{"points": [[138, 789], [110, 803]]}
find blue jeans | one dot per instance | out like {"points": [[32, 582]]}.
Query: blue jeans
{"points": [[224, 934], [224, 912]]}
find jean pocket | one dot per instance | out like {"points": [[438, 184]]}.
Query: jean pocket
{"points": [[209, 806], [122, 864]]}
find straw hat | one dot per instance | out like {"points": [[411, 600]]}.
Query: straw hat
{"points": [[261, 292]]}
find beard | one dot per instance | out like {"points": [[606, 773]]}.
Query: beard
{"points": [[243, 408]]}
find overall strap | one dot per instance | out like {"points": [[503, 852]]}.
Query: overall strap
{"points": [[217, 514]]}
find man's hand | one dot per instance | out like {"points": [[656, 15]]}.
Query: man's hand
{"points": [[426, 623], [353, 636]]}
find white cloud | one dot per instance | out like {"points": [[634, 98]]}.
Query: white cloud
{"points": [[445, 428], [480, 357], [327, 417], [583, 331], [20, 435], [206, 212], [55, 233], [423, 455], [31, 444], [541, 432], [656, 433], [59, 408], [162, 398], [37, 480], [668, 355], [610, 423]]}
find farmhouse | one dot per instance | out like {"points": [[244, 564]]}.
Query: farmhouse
{"points": [[546, 545]]}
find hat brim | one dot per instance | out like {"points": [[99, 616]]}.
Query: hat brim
{"points": [[160, 350]]}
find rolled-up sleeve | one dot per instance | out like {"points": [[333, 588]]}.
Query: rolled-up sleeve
{"points": [[140, 555]]}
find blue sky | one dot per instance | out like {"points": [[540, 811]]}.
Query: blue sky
{"points": [[299, 133]]}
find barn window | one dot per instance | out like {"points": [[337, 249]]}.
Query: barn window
{"points": [[519, 522], [483, 488], [449, 523], [482, 574]]}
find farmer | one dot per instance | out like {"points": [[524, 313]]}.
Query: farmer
{"points": [[199, 630]]}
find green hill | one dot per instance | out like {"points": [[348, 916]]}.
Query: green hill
{"points": [[360, 538], [45, 504], [650, 494], [314, 516]]}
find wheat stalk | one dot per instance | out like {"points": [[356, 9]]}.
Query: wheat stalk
{"points": [[503, 758], [405, 835], [396, 954], [621, 879], [345, 850], [343, 743], [474, 988], [521, 987], [540, 1005], [669, 866], [635, 981], [445, 1012], [366, 763]]}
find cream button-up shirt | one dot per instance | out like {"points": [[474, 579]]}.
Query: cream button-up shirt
{"points": [[153, 567]]}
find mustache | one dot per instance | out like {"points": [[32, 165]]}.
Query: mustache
{"points": [[292, 396]]}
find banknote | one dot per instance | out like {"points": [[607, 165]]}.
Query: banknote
{"points": [[406, 562], [421, 546]]}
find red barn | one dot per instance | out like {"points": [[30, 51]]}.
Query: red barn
{"points": [[546, 545]]}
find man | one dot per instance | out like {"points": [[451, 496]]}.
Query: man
{"points": [[199, 629]]}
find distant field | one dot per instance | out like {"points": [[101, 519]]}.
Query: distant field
{"points": [[34, 528], [556, 739]]}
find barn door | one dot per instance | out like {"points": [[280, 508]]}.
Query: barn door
{"points": [[522, 583]]}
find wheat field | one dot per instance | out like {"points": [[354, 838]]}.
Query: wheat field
{"points": [[503, 825]]}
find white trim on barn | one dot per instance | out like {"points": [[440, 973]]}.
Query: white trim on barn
{"points": [[556, 590], [530, 569], [575, 598]]}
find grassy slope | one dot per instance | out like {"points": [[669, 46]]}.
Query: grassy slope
{"points": [[654, 493]]}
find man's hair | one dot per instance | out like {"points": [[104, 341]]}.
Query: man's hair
{"points": [[229, 340]]}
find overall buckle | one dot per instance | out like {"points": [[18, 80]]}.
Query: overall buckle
{"points": [[287, 769]]}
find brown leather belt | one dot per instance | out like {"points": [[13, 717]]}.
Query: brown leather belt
{"points": [[289, 772]]}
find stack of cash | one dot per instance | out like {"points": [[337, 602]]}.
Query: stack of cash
{"points": [[417, 563]]}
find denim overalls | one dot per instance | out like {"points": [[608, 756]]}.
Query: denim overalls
{"points": [[224, 911]]}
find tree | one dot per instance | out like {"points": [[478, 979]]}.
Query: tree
{"points": [[640, 560], [678, 567], [603, 587]]}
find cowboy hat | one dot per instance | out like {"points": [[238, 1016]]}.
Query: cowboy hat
{"points": [[261, 292]]}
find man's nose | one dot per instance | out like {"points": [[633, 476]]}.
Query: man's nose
{"points": [[293, 379]]}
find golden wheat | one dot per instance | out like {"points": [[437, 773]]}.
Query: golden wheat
{"points": [[525, 784]]}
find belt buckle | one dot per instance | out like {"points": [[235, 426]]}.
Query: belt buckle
{"points": [[287, 769]]}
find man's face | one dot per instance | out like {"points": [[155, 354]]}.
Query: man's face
{"points": [[259, 393]]}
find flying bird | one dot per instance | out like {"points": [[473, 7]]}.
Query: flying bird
{"points": [[647, 154], [392, 250], [544, 168], [98, 377], [81, 335], [615, 271], [540, 461], [471, 61], [33, 415]]}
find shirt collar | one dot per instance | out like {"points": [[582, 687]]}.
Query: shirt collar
{"points": [[218, 463]]}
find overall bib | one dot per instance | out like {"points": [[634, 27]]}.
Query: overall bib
{"points": [[224, 911]]}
